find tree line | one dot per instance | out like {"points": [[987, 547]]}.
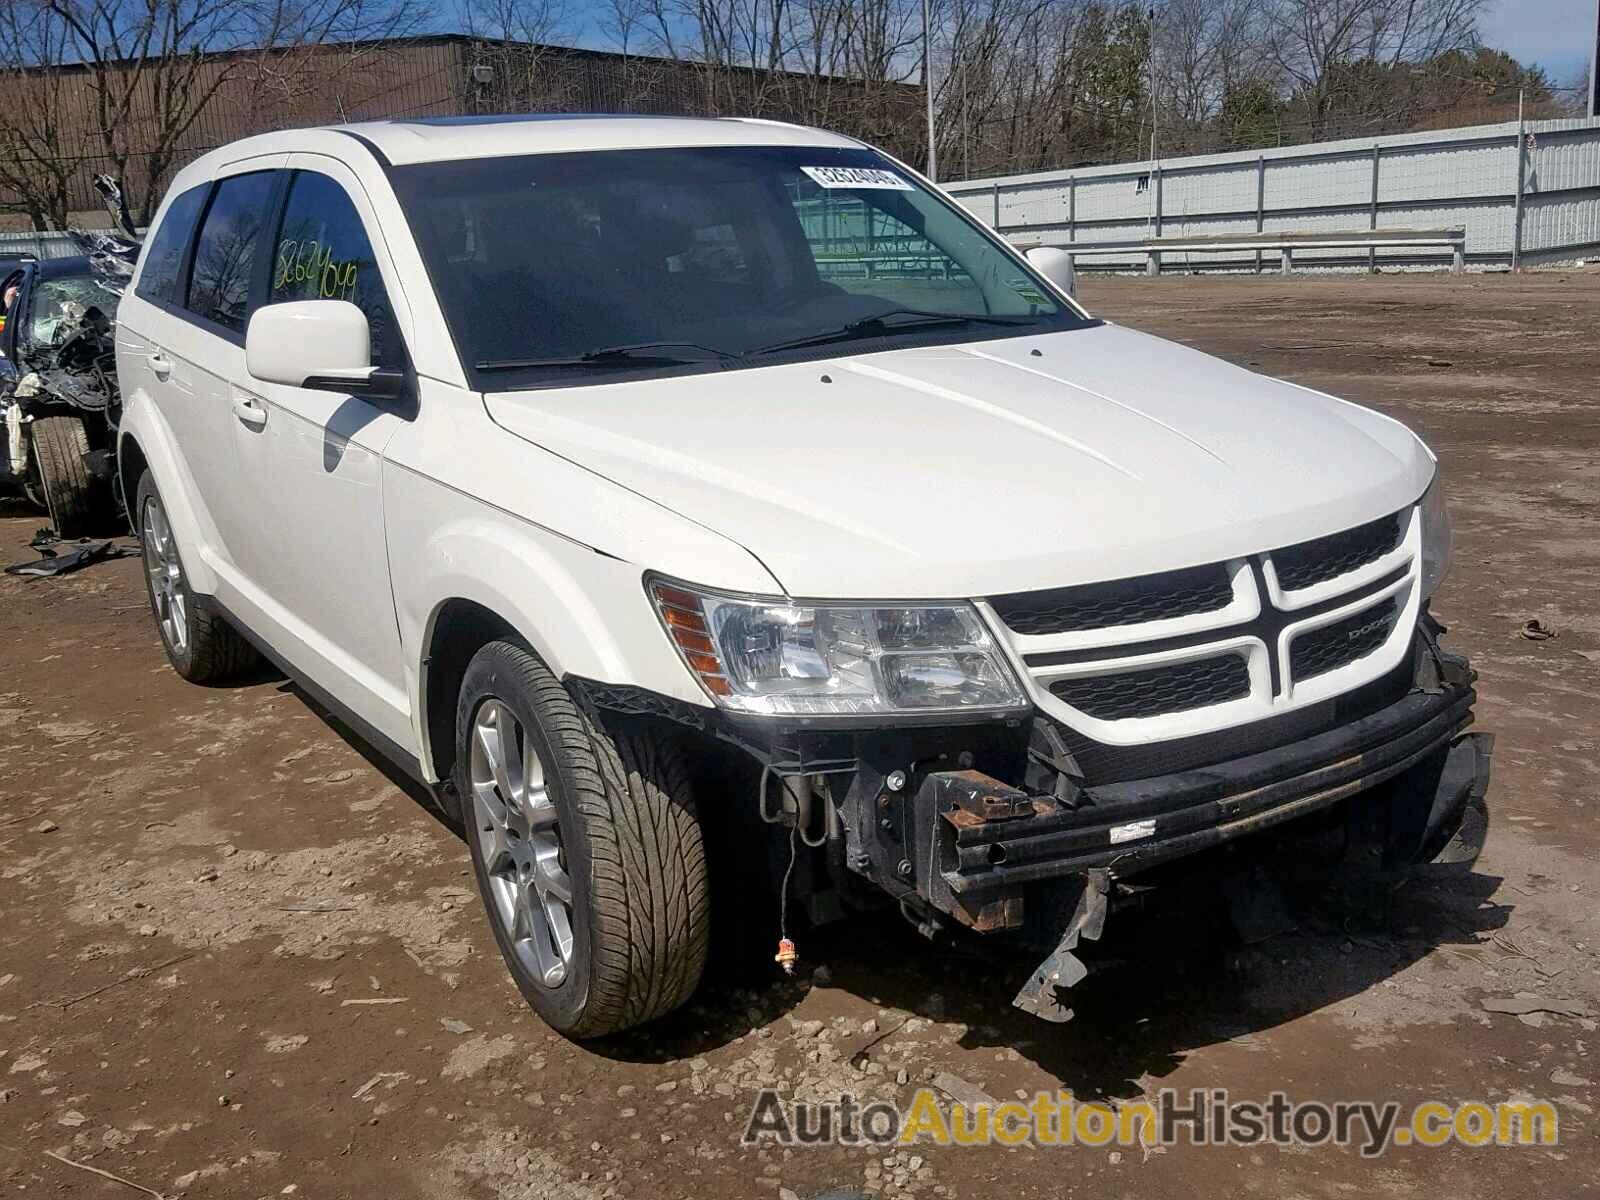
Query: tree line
{"points": [[1026, 85], [135, 87]]}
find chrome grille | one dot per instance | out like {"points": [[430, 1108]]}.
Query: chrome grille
{"points": [[1161, 597], [1157, 691], [1321, 559]]}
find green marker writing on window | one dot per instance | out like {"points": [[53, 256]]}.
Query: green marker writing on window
{"points": [[308, 262]]}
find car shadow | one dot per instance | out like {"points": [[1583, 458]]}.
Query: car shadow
{"points": [[1164, 982], [418, 792], [1177, 979]]}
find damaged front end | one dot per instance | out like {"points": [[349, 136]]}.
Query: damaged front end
{"points": [[1410, 779], [59, 364], [994, 828]]}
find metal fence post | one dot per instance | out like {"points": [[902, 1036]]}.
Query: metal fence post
{"points": [[1158, 199], [1516, 215], [1261, 202], [1372, 223], [996, 189], [1072, 208]]}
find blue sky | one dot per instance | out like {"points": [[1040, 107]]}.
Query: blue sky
{"points": [[1556, 34]]}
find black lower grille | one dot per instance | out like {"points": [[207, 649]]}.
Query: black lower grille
{"points": [[1119, 602], [1325, 558], [1157, 691], [1103, 763], [1333, 646]]}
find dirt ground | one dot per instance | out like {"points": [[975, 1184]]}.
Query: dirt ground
{"points": [[237, 960]]}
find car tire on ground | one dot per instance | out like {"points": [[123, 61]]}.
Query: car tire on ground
{"points": [[586, 847], [68, 490], [201, 645]]}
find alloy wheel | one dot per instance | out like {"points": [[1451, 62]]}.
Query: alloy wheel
{"points": [[169, 595], [519, 839]]}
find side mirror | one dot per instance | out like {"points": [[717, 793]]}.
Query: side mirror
{"points": [[1055, 265], [320, 344]]}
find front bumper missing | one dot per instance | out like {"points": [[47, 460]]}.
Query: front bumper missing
{"points": [[985, 852], [978, 861], [1433, 812]]}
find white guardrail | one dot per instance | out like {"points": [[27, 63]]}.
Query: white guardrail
{"points": [[1285, 245]]}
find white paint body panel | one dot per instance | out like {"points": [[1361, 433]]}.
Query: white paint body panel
{"points": [[978, 470], [286, 342], [339, 529]]}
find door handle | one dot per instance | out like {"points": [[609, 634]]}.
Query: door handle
{"points": [[250, 410], [159, 364]]}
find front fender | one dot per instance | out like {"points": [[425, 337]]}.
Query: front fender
{"points": [[583, 612]]}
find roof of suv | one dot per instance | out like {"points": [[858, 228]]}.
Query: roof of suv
{"points": [[437, 139]]}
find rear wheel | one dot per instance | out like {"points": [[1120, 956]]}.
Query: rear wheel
{"points": [[65, 485], [586, 848], [201, 645]]}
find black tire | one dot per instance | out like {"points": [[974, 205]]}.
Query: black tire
{"points": [[69, 491], [629, 840], [210, 650]]}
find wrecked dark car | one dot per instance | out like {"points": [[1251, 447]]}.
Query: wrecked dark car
{"points": [[59, 404]]}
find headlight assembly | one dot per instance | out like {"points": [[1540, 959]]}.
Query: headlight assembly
{"points": [[774, 658], [1435, 536]]}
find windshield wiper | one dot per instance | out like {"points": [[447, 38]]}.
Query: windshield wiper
{"points": [[891, 320], [640, 354]]}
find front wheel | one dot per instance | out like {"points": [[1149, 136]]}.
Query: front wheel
{"points": [[586, 848], [65, 485]]}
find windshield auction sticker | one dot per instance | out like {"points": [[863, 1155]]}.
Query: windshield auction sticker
{"points": [[856, 177]]}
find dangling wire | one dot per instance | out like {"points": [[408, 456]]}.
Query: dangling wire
{"points": [[787, 956]]}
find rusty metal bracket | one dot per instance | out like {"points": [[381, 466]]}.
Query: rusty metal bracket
{"points": [[1061, 969], [980, 795]]}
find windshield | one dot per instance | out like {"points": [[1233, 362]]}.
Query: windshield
{"points": [[59, 306], [572, 268]]}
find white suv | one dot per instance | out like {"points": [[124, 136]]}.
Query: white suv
{"points": [[718, 518]]}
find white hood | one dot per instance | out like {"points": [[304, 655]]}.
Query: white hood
{"points": [[972, 470]]}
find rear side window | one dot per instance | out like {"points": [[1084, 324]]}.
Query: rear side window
{"points": [[225, 257], [163, 261], [323, 253]]}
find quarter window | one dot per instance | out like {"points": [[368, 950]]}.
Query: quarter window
{"points": [[225, 258], [323, 253], [163, 261]]}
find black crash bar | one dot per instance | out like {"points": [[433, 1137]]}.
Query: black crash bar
{"points": [[1200, 808]]}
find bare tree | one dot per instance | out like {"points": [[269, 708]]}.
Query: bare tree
{"points": [[37, 149], [1575, 93], [514, 41], [150, 72], [149, 77], [134, 87], [1206, 50], [1315, 43]]}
